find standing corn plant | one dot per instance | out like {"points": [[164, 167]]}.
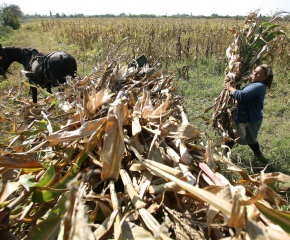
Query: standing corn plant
{"points": [[252, 46]]}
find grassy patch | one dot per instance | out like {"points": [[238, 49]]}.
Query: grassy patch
{"points": [[6, 32]]}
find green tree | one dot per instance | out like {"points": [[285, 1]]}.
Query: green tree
{"points": [[10, 16]]}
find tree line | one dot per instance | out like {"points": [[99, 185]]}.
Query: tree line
{"points": [[123, 15]]}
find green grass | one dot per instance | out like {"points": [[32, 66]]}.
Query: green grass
{"points": [[6, 32], [198, 93]]}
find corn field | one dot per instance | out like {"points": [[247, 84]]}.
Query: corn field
{"points": [[159, 39]]}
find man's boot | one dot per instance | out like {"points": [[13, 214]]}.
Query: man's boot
{"points": [[256, 149]]}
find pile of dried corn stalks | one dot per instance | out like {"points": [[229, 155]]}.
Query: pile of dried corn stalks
{"points": [[114, 156], [254, 44]]}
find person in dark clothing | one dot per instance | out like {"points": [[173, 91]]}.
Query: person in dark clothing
{"points": [[250, 104]]}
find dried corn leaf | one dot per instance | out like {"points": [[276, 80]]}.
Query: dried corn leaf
{"points": [[106, 230], [185, 156], [86, 129], [180, 131], [114, 146], [134, 196], [238, 215], [137, 232], [95, 100], [9, 188], [277, 181], [19, 161], [152, 223]]}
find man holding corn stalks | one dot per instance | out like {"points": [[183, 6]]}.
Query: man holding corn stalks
{"points": [[249, 115]]}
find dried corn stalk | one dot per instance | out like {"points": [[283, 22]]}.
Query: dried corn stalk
{"points": [[251, 47]]}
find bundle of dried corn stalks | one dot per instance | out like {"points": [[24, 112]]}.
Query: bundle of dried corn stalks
{"points": [[114, 156], [251, 47]]}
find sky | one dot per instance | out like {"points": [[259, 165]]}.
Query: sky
{"points": [[156, 7]]}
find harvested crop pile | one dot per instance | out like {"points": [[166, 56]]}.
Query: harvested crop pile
{"points": [[114, 156]]}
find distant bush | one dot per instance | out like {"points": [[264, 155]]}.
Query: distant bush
{"points": [[10, 19], [10, 16]]}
